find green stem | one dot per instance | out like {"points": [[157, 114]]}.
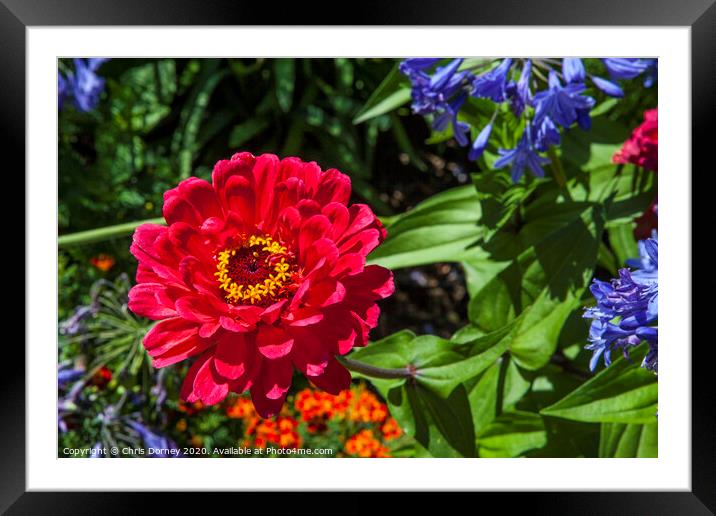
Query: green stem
{"points": [[376, 372], [558, 169], [105, 233]]}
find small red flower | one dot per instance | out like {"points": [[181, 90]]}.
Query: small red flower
{"points": [[103, 262], [647, 222], [101, 377], [643, 145], [260, 272]]}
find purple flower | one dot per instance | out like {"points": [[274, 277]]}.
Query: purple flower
{"points": [[86, 84], [524, 155], [492, 84], [519, 93], [627, 310], [621, 68], [561, 103], [61, 90], [573, 70], [480, 143], [547, 135], [432, 93], [416, 64], [76, 322], [66, 404], [610, 88], [161, 446], [449, 116], [66, 374], [630, 68], [651, 74]]}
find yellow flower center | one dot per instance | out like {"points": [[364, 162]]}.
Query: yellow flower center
{"points": [[258, 271]]}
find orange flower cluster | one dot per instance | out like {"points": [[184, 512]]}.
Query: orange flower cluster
{"points": [[367, 408], [281, 431], [317, 407], [241, 408], [360, 411], [364, 444], [390, 429], [357, 404]]}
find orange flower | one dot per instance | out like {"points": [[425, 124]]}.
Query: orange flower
{"points": [[364, 444], [317, 407], [281, 431], [190, 408], [390, 429], [241, 408], [103, 262], [368, 408]]}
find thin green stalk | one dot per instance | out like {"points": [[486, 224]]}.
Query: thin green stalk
{"points": [[105, 233], [377, 372], [559, 174]]}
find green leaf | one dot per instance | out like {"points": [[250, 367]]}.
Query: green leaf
{"points": [[606, 259], [545, 282], [603, 108], [479, 270], [515, 385], [392, 93], [432, 404], [625, 191], [484, 351], [440, 365], [497, 389], [285, 73], [452, 418], [629, 440], [483, 397], [511, 435], [185, 140], [623, 392], [243, 132], [588, 150], [441, 229], [403, 141], [623, 242]]}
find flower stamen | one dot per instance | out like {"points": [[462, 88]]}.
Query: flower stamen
{"points": [[258, 271]]}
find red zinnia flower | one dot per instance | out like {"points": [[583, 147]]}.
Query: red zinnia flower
{"points": [[642, 147], [257, 273]]}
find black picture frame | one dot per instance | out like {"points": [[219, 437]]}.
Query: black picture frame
{"points": [[700, 15]]}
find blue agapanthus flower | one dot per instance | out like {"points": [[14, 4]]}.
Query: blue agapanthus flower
{"points": [[561, 103], [519, 92], [62, 88], [82, 85], [545, 94], [492, 85], [627, 310], [67, 374], [620, 68], [161, 445], [521, 157], [547, 135]]}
